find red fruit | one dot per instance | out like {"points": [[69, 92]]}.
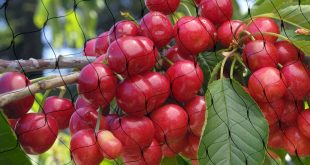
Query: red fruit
{"points": [[260, 25], [110, 146], [110, 119], [89, 49], [197, 2], [85, 118], [157, 27], [80, 102], [175, 56], [276, 138], [202, 35], [132, 55], [218, 11], [101, 59], [186, 79], [291, 111], [266, 85], [102, 43], [230, 31], [122, 29], [173, 147], [303, 122], [164, 6], [259, 54], [12, 123], [134, 96], [272, 111], [97, 84], [160, 86], [196, 110], [85, 149], [59, 108], [11, 81], [287, 52], [36, 132], [170, 122], [135, 133], [191, 149], [296, 79], [295, 142]]}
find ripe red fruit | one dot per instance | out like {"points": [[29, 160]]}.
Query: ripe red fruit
{"points": [[89, 49], [101, 59], [157, 27], [11, 81], [85, 149], [186, 79], [172, 147], [132, 55], [218, 11], [170, 122], [291, 111], [164, 6], [194, 35], [59, 108], [173, 54], [134, 96], [191, 149], [276, 137], [122, 29], [266, 85], [196, 110], [97, 84], [287, 52], [260, 25], [303, 122], [36, 132], [295, 142], [85, 118], [110, 146], [160, 86], [12, 123], [272, 111], [135, 133], [197, 2], [230, 31], [81, 102], [296, 79], [259, 54], [102, 43]]}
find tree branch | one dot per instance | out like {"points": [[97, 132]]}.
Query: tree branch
{"points": [[32, 65], [39, 86]]}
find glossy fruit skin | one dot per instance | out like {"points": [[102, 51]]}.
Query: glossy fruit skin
{"points": [[160, 86], [81, 102], [110, 146], [170, 122], [85, 149], [130, 56], [197, 2], [12, 123], [296, 79], [259, 54], [266, 85], [102, 43], [174, 55], [291, 111], [122, 29], [135, 133], [276, 137], [59, 108], [157, 27], [273, 110], [230, 31], [134, 96], [86, 118], [303, 123], [36, 132], [295, 142], [11, 81], [218, 11], [97, 84], [191, 149], [196, 110], [173, 147], [260, 25], [202, 34], [287, 52], [164, 6], [89, 49], [185, 77]]}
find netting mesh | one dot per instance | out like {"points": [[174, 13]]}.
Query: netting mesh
{"points": [[119, 82]]}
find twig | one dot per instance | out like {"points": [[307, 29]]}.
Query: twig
{"points": [[8, 97], [33, 65]]}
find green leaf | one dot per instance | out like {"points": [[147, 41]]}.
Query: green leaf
{"points": [[271, 160], [303, 45], [10, 151], [266, 6], [236, 132], [169, 161]]}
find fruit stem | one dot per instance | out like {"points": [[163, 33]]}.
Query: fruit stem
{"points": [[62, 92], [41, 78], [214, 72], [98, 120], [227, 56], [129, 16], [47, 92], [167, 60], [247, 33], [232, 68], [188, 11], [120, 77]]}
